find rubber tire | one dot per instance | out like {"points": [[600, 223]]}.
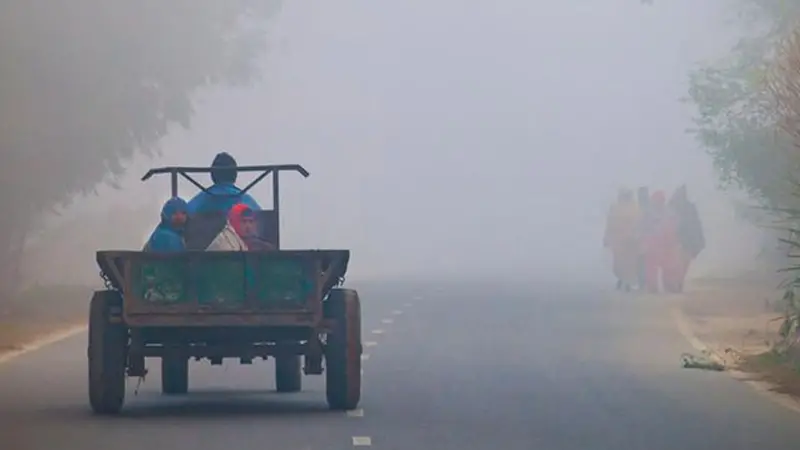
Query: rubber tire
{"points": [[107, 355], [343, 350], [174, 375], [288, 373]]}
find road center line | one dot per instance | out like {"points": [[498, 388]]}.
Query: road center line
{"points": [[387, 321], [365, 356], [370, 344], [362, 441], [355, 413], [378, 331]]}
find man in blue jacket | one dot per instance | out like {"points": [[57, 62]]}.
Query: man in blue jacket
{"points": [[224, 193], [168, 235]]}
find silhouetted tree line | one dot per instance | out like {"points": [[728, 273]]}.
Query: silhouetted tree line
{"points": [[87, 84], [748, 120]]}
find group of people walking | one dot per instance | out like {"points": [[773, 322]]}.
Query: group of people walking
{"points": [[653, 241]]}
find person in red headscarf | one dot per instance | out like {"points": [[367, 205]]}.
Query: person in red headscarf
{"points": [[243, 221], [660, 245]]}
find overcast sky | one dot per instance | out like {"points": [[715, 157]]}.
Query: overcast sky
{"points": [[448, 136]]}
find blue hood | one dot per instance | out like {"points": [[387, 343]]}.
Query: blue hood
{"points": [[172, 206]]}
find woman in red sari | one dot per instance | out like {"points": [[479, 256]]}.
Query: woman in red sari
{"points": [[661, 246]]}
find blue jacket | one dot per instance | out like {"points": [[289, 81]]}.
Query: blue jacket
{"points": [[165, 238], [220, 200]]}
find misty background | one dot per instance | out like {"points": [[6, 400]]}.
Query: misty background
{"points": [[445, 138]]}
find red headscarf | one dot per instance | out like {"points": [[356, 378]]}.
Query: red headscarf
{"points": [[235, 216]]}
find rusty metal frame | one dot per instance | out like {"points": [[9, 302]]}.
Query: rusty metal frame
{"points": [[274, 170], [184, 172], [247, 351], [330, 264]]}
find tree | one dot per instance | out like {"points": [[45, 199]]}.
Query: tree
{"points": [[736, 120], [748, 117], [736, 124], [784, 84], [86, 84]]}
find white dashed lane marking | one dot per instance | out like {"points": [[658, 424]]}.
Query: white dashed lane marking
{"points": [[366, 441], [362, 441], [356, 413]]}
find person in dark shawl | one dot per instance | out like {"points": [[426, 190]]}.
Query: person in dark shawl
{"points": [[690, 232], [643, 198]]}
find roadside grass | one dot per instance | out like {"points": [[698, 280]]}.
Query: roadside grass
{"points": [[781, 369]]}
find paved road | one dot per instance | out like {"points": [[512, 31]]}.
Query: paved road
{"points": [[475, 368]]}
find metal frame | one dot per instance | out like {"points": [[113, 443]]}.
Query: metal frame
{"points": [[331, 264], [270, 332], [273, 170]]}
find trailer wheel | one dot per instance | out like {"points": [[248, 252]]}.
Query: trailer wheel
{"points": [[174, 375], [288, 375], [107, 354], [343, 350]]}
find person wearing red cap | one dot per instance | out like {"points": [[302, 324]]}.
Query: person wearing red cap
{"points": [[243, 221]]}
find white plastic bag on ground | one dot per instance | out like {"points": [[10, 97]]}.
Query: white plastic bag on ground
{"points": [[227, 240]]}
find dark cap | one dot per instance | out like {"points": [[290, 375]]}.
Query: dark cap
{"points": [[220, 172]]}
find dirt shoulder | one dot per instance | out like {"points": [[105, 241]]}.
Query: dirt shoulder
{"points": [[739, 321], [41, 311]]}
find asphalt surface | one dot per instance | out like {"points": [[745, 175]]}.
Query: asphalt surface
{"points": [[450, 367]]}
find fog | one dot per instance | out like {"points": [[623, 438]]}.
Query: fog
{"points": [[456, 139]]}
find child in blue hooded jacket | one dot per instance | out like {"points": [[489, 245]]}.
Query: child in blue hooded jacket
{"points": [[168, 235]]}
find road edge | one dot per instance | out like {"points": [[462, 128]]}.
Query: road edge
{"points": [[761, 387], [41, 342]]}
